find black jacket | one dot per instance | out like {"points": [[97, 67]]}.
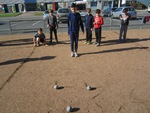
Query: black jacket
{"points": [[89, 21], [52, 21]]}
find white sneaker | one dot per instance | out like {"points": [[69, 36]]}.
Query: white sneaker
{"points": [[76, 54], [72, 54]]}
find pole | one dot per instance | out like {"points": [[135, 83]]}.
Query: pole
{"points": [[10, 28]]}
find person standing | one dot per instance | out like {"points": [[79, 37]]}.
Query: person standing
{"points": [[52, 25], [98, 22], [89, 26], [124, 17], [74, 24]]}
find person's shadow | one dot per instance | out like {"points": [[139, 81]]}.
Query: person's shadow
{"points": [[113, 42], [17, 42], [23, 60], [114, 50]]}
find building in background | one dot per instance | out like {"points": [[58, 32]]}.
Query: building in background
{"points": [[8, 6]]}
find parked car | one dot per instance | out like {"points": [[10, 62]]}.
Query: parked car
{"points": [[108, 12], [62, 14], [83, 14], [119, 11], [46, 14], [148, 8]]}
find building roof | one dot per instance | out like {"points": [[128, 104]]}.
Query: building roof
{"points": [[11, 1]]}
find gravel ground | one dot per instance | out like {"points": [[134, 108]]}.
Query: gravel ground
{"points": [[119, 73]]}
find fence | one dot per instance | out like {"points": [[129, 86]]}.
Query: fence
{"points": [[31, 25]]}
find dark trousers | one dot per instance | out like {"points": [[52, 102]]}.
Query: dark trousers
{"points": [[88, 35], [74, 36], [51, 34], [123, 31], [98, 35]]}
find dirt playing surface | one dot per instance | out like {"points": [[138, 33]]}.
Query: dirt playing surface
{"points": [[120, 74]]}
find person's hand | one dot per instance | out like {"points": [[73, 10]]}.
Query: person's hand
{"points": [[91, 29]]}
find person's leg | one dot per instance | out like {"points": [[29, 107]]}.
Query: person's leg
{"points": [[90, 36], [96, 35], [34, 41], [99, 36], [86, 35], [51, 31], [125, 33], [76, 36], [72, 43], [42, 40], [55, 33], [121, 32], [37, 41]]}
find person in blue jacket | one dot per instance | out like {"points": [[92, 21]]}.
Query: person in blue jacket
{"points": [[74, 24], [89, 19]]}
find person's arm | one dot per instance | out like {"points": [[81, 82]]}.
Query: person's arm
{"points": [[92, 20], [81, 24], [34, 39], [120, 17], [56, 22], [85, 21], [68, 22], [47, 20], [102, 21]]}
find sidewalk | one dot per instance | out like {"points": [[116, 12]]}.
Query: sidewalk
{"points": [[119, 72]]}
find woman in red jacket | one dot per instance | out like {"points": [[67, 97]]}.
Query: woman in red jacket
{"points": [[98, 22]]}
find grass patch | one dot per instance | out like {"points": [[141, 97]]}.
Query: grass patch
{"points": [[9, 14], [38, 13]]}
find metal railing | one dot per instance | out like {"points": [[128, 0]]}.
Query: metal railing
{"points": [[26, 29]]}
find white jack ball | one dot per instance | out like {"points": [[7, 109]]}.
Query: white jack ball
{"points": [[89, 87], [55, 86], [69, 109]]}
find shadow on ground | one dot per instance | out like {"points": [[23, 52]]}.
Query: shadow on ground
{"points": [[23, 60], [115, 50], [17, 42], [113, 42]]}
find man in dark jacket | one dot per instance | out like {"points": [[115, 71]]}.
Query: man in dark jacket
{"points": [[52, 25], [74, 22], [89, 26]]}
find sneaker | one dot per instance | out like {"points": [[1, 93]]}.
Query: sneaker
{"points": [[85, 42], [94, 42], [72, 54], [45, 44], [76, 54], [97, 44]]}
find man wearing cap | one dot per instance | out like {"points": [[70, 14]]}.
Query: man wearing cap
{"points": [[74, 24]]}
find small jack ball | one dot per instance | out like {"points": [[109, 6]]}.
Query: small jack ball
{"points": [[69, 109], [55, 86]]}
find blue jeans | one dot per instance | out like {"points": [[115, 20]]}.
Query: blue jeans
{"points": [[123, 31], [74, 36]]}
